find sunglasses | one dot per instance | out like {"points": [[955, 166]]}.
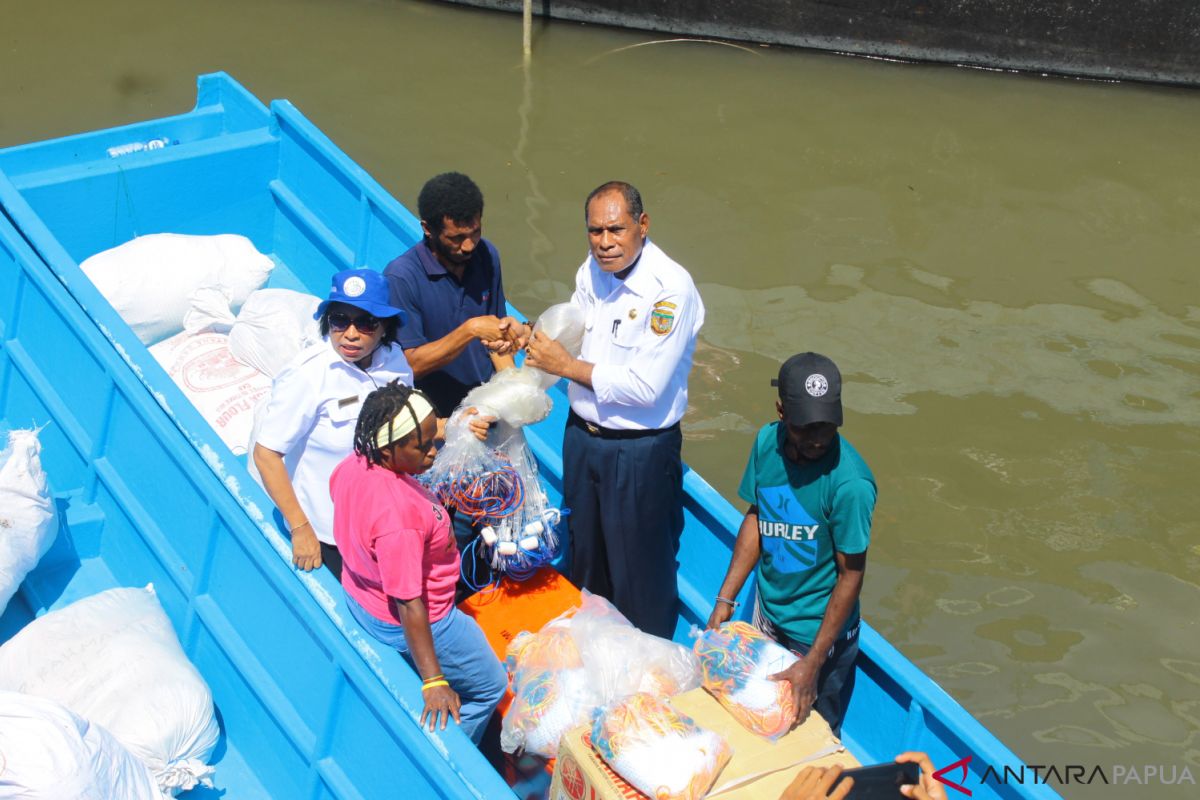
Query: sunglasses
{"points": [[365, 323]]}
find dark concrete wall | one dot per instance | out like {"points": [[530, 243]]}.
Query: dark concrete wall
{"points": [[1150, 40]]}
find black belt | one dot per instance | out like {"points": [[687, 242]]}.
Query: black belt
{"points": [[601, 432]]}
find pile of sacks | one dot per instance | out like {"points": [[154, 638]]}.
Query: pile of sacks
{"points": [[196, 302], [128, 709], [592, 667], [97, 699]]}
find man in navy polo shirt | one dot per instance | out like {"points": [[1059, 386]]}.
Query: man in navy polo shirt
{"points": [[449, 286]]}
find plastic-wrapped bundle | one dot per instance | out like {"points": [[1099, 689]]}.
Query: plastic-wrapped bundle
{"points": [[662, 753], [563, 323], [551, 690], [622, 660], [735, 662]]}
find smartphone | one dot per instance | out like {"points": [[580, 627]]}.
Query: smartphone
{"points": [[880, 781]]}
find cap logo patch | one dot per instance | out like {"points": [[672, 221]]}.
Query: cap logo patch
{"points": [[353, 287], [816, 385]]}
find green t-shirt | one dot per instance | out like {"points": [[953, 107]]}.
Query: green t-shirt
{"points": [[805, 512]]}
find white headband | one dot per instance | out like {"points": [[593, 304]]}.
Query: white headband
{"points": [[405, 422]]}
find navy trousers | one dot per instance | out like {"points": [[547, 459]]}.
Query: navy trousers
{"points": [[626, 501]]}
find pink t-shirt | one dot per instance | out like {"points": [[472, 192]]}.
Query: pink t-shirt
{"points": [[395, 540]]}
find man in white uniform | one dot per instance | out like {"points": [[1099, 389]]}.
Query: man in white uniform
{"points": [[622, 471]]}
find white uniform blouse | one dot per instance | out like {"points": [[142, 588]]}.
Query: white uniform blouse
{"points": [[640, 334], [311, 416]]}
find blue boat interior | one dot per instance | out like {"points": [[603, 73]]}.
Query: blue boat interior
{"points": [[309, 705]]}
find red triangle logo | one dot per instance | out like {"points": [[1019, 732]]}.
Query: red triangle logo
{"points": [[961, 763]]}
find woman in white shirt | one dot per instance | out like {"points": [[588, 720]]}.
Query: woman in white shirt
{"points": [[308, 426]]}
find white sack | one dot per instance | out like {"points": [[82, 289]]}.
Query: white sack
{"points": [[272, 327], [224, 390], [27, 517], [150, 280], [48, 753], [114, 660]]}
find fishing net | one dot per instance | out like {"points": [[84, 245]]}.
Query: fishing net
{"points": [[551, 690], [735, 662], [659, 751], [579, 663], [497, 485]]}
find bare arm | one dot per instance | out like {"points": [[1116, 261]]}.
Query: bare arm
{"points": [[306, 550], [441, 702], [432, 356], [746, 551]]}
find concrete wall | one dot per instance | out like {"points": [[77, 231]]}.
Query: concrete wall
{"points": [[1148, 40]]}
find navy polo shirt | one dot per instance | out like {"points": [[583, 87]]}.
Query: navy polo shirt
{"points": [[437, 303]]}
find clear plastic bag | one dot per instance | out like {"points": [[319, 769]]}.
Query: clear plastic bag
{"points": [[563, 323], [623, 660], [659, 751], [551, 690], [735, 662]]}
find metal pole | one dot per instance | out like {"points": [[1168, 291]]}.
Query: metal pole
{"points": [[527, 28]]}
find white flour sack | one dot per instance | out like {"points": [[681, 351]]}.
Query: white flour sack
{"points": [[223, 389], [114, 660], [150, 280], [48, 753], [27, 518], [272, 327]]}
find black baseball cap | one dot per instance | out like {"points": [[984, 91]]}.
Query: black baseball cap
{"points": [[810, 389]]}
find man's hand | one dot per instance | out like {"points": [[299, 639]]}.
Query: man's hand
{"points": [[547, 355], [813, 784], [515, 332], [721, 613], [803, 677], [306, 550], [929, 788], [485, 328], [500, 347]]}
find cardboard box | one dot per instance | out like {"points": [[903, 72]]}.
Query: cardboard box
{"points": [[759, 769]]}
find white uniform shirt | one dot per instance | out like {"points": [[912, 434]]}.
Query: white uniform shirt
{"points": [[311, 416], [640, 334]]}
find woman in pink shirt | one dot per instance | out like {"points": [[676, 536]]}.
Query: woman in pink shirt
{"points": [[401, 563]]}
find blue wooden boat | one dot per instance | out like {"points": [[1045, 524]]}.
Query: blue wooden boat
{"points": [[310, 707]]}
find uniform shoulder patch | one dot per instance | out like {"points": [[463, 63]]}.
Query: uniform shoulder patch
{"points": [[662, 317]]}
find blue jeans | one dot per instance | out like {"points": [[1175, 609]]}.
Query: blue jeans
{"points": [[464, 655]]}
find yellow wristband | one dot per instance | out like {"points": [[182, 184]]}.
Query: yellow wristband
{"points": [[432, 684], [433, 678]]}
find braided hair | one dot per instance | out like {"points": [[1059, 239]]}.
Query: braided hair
{"points": [[379, 409]]}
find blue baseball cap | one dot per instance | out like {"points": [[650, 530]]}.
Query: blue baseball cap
{"points": [[362, 288]]}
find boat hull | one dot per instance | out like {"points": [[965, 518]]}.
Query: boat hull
{"points": [[310, 706]]}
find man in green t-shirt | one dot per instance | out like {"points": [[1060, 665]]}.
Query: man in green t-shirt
{"points": [[807, 530]]}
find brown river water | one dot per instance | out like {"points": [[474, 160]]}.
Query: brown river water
{"points": [[1002, 265]]}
